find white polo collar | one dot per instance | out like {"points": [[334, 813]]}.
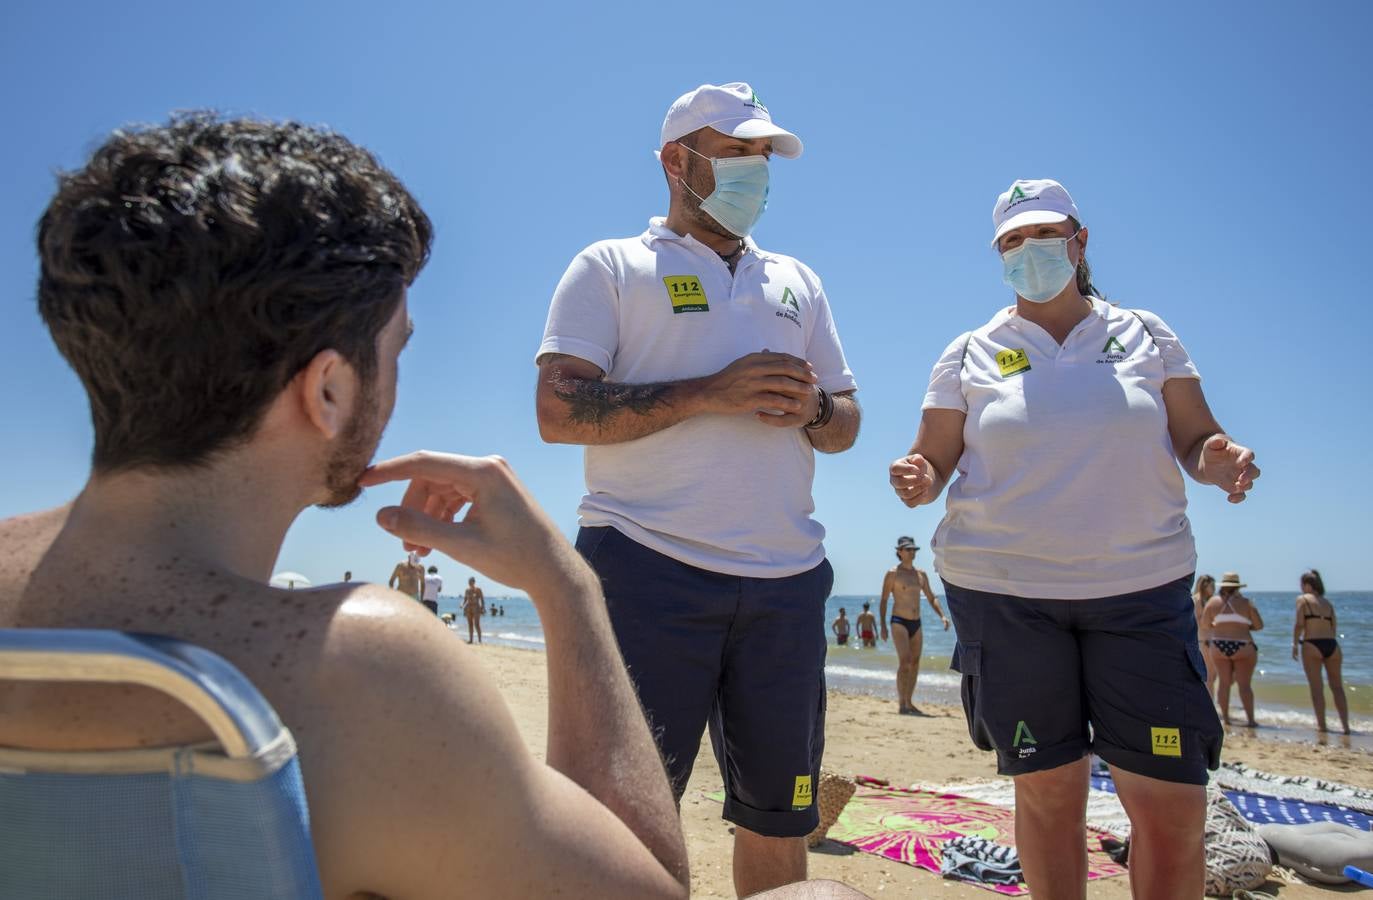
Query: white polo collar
{"points": [[1007, 316], [658, 231]]}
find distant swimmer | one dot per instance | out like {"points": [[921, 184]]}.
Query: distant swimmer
{"points": [[867, 626], [473, 607], [840, 627], [347, 577], [432, 585], [1314, 637], [904, 584], [1231, 618], [408, 577]]}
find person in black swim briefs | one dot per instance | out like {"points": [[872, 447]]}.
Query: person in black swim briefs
{"points": [[1230, 619], [904, 583], [1314, 637]]}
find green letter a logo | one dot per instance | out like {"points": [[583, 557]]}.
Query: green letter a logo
{"points": [[1112, 342], [1022, 729], [789, 299], [1016, 194]]}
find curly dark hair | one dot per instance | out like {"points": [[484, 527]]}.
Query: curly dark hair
{"points": [[190, 270]]}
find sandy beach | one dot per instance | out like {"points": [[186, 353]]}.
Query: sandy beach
{"points": [[865, 736]]}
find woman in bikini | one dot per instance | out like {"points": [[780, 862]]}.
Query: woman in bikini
{"points": [[1204, 590], [1231, 619], [1314, 637]]}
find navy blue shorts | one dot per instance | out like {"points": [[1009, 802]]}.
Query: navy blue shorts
{"points": [[745, 656], [1046, 682]]}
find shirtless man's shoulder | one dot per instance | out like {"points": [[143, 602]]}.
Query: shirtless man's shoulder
{"points": [[23, 539], [392, 661]]}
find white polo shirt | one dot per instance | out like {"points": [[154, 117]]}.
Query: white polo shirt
{"points": [[1068, 487], [721, 492]]}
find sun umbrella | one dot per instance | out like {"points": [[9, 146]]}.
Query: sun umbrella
{"points": [[289, 580]]}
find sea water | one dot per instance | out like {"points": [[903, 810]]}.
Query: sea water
{"points": [[1282, 698]]}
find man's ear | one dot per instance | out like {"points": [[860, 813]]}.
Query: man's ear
{"points": [[673, 157], [327, 389]]}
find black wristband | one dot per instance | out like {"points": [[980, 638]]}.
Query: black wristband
{"points": [[825, 412]]}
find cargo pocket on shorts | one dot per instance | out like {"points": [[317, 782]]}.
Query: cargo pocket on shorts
{"points": [[967, 658], [1194, 657], [967, 661], [1200, 712]]}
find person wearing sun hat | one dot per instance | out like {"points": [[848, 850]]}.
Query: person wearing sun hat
{"points": [[904, 584], [1066, 554], [1230, 618], [702, 373]]}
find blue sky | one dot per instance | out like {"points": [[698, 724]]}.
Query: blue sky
{"points": [[1218, 154]]}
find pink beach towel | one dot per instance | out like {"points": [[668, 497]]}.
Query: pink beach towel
{"points": [[910, 826]]}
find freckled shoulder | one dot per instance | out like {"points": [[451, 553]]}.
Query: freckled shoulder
{"points": [[23, 540], [369, 615]]}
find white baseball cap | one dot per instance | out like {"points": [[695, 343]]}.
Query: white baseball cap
{"points": [[1031, 202], [733, 109]]}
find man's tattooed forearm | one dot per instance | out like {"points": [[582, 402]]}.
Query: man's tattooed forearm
{"points": [[596, 403]]}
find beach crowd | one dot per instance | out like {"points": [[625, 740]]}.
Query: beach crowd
{"points": [[232, 294]]}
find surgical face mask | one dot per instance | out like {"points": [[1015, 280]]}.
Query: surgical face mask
{"points": [[1039, 269], [741, 192]]}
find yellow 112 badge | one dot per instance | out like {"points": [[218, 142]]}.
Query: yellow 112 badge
{"points": [[1012, 362]]}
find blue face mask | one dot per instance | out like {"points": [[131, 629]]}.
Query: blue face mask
{"points": [[741, 192], [1039, 269]]}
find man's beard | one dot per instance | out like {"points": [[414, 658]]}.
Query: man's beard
{"points": [[695, 178], [354, 451]]}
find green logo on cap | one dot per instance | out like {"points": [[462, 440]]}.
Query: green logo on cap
{"points": [[758, 103], [1016, 194]]}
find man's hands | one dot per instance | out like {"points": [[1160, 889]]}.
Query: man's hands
{"points": [[914, 479], [777, 388], [1228, 466], [504, 528]]}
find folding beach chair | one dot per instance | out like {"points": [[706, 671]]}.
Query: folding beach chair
{"points": [[225, 820]]}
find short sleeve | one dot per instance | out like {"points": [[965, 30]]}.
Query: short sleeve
{"points": [[946, 379], [824, 351], [1176, 362], [583, 319]]}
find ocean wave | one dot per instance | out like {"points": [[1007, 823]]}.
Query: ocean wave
{"points": [[889, 675], [1297, 719]]}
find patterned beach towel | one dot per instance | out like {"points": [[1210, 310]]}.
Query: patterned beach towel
{"points": [[1266, 809], [1239, 777], [911, 826], [1104, 812], [1263, 810]]}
